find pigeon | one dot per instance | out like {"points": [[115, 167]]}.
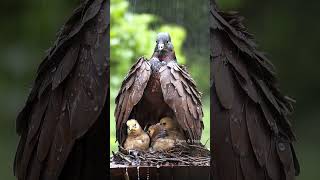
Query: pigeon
{"points": [[137, 139]]}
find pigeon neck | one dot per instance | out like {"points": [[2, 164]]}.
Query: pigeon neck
{"points": [[166, 57]]}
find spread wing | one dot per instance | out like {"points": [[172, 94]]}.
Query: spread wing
{"points": [[66, 101], [180, 93], [131, 92], [252, 137]]}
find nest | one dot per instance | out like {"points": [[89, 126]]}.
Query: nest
{"points": [[191, 155]]}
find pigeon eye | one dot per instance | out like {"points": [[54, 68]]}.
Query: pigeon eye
{"points": [[167, 42], [156, 41], [164, 124]]}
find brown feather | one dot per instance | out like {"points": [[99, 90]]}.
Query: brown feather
{"points": [[252, 137], [67, 98], [131, 92], [173, 79]]}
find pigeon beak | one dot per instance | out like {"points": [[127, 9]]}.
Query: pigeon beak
{"points": [[160, 46]]}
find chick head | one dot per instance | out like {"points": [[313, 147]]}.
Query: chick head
{"points": [[133, 127]]}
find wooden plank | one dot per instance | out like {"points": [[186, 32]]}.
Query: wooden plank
{"points": [[160, 172]]}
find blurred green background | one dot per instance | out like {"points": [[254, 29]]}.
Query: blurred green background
{"points": [[288, 30]]}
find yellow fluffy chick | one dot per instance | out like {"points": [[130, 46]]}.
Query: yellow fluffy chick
{"points": [[159, 138], [137, 139], [173, 129]]}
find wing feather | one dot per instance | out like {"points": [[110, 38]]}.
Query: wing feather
{"points": [[250, 122], [67, 97], [180, 93], [131, 92]]}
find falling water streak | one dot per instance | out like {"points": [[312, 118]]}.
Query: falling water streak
{"points": [[158, 174], [177, 14], [172, 172], [148, 174], [134, 5], [138, 173], [126, 175], [182, 7], [152, 9]]}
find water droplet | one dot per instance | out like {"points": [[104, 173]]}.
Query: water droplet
{"points": [[158, 166], [126, 175], [96, 108], [148, 173], [282, 147], [138, 172], [54, 69], [63, 107]]}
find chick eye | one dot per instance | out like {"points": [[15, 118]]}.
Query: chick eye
{"points": [[164, 124]]}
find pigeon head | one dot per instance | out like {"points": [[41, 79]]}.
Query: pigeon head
{"points": [[164, 43]]}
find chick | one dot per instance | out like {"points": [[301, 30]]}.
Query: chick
{"points": [[159, 138], [137, 139], [173, 129]]}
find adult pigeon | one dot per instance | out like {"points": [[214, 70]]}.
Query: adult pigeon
{"points": [[158, 88], [252, 136]]}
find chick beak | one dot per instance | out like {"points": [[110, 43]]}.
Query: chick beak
{"points": [[160, 46]]}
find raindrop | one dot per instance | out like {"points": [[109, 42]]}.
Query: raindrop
{"points": [[96, 108], [282, 147], [54, 69], [148, 174], [126, 175], [63, 107], [158, 166], [60, 149], [138, 172]]}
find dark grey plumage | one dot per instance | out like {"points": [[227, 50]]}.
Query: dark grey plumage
{"points": [[62, 125], [252, 136]]}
